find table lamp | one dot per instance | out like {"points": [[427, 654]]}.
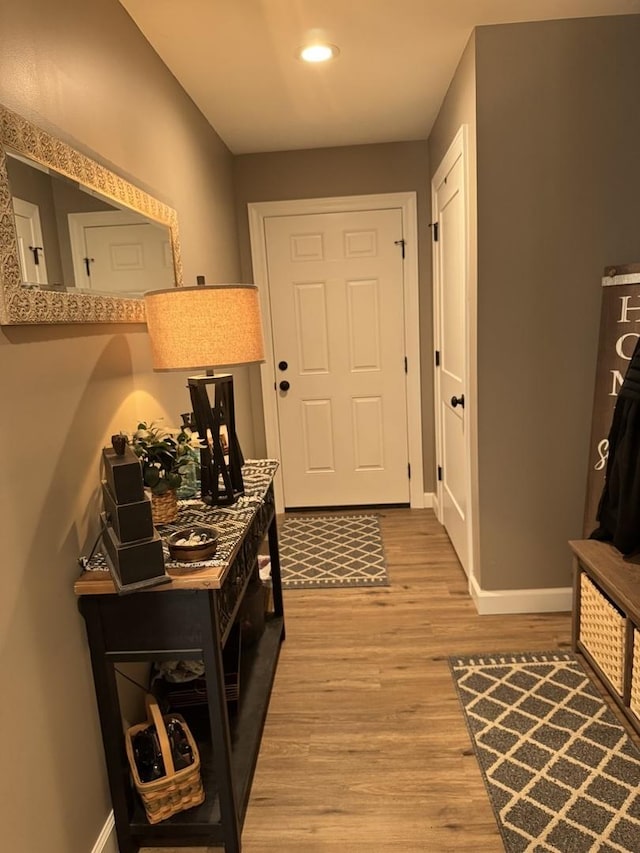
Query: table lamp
{"points": [[203, 327]]}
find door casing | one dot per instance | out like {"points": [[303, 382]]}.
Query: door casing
{"points": [[406, 202]]}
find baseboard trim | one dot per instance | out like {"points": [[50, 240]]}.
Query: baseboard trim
{"points": [[555, 600], [107, 842], [430, 500]]}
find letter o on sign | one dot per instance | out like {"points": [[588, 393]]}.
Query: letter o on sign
{"points": [[621, 345]]}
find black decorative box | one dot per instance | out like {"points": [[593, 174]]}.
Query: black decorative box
{"points": [[123, 475], [131, 522], [137, 563]]}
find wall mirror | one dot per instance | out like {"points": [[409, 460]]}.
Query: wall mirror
{"points": [[78, 243]]}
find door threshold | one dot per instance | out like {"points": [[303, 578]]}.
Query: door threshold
{"points": [[349, 507]]}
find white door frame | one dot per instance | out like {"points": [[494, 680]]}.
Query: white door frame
{"points": [[460, 148], [406, 202]]}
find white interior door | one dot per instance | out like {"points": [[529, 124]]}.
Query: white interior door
{"points": [[337, 316], [112, 252], [452, 399], [33, 265]]}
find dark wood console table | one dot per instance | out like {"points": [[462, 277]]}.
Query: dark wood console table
{"points": [[190, 619]]}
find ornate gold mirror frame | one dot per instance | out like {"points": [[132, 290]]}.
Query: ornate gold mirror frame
{"points": [[26, 304]]}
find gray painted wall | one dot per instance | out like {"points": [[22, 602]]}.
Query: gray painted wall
{"points": [[558, 199], [83, 71]]}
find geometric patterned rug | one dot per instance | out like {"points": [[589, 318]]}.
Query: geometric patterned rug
{"points": [[332, 551], [561, 772]]}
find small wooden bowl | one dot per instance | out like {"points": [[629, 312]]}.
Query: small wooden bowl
{"points": [[202, 550]]}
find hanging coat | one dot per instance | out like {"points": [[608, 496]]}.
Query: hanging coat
{"points": [[619, 508]]}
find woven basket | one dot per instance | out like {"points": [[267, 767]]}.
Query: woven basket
{"points": [[635, 675], [178, 790], [602, 632], [164, 508]]}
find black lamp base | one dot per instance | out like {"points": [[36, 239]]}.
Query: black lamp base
{"points": [[221, 459]]}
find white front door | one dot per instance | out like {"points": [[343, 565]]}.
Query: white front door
{"points": [[337, 317], [114, 252], [33, 264], [452, 398]]}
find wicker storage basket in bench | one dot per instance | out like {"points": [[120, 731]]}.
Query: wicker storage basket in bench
{"points": [[602, 629], [177, 790], [635, 675]]}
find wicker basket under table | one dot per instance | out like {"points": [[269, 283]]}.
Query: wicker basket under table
{"points": [[178, 790]]}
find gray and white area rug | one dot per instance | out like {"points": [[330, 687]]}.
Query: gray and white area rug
{"points": [[332, 551], [562, 774]]}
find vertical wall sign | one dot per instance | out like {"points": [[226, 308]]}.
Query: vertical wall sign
{"points": [[619, 332]]}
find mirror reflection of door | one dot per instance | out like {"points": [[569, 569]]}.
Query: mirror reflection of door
{"points": [[115, 252], [30, 245]]}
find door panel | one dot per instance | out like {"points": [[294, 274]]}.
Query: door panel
{"points": [[454, 482], [368, 433], [317, 435], [337, 308], [450, 269], [451, 235], [311, 327], [364, 325]]}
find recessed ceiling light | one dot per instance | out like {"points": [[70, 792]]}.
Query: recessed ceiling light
{"points": [[318, 52]]}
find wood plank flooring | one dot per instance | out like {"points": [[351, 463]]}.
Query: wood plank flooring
{"points": [[365, 749]]}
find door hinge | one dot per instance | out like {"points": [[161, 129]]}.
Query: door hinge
{"points": [[437, 358], [434, 227], [409, 470], [406, 364], [400, 243], [440, 473]]}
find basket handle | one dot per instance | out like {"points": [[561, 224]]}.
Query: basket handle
{"points": [[154, 715]]}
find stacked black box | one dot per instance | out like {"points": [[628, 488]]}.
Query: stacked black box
{"points": [[133, 547]]}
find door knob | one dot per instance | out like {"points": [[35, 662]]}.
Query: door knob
{"points": [[282, 365], [458, 401], [284, 385]]}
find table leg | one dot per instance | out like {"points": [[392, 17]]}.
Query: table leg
{"points": [[219, 722], [276, 575]]}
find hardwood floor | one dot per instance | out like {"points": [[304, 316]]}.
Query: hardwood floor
{"points": [[365, 749]]}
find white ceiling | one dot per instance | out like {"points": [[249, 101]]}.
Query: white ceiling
{"points": [[237, 60]]}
